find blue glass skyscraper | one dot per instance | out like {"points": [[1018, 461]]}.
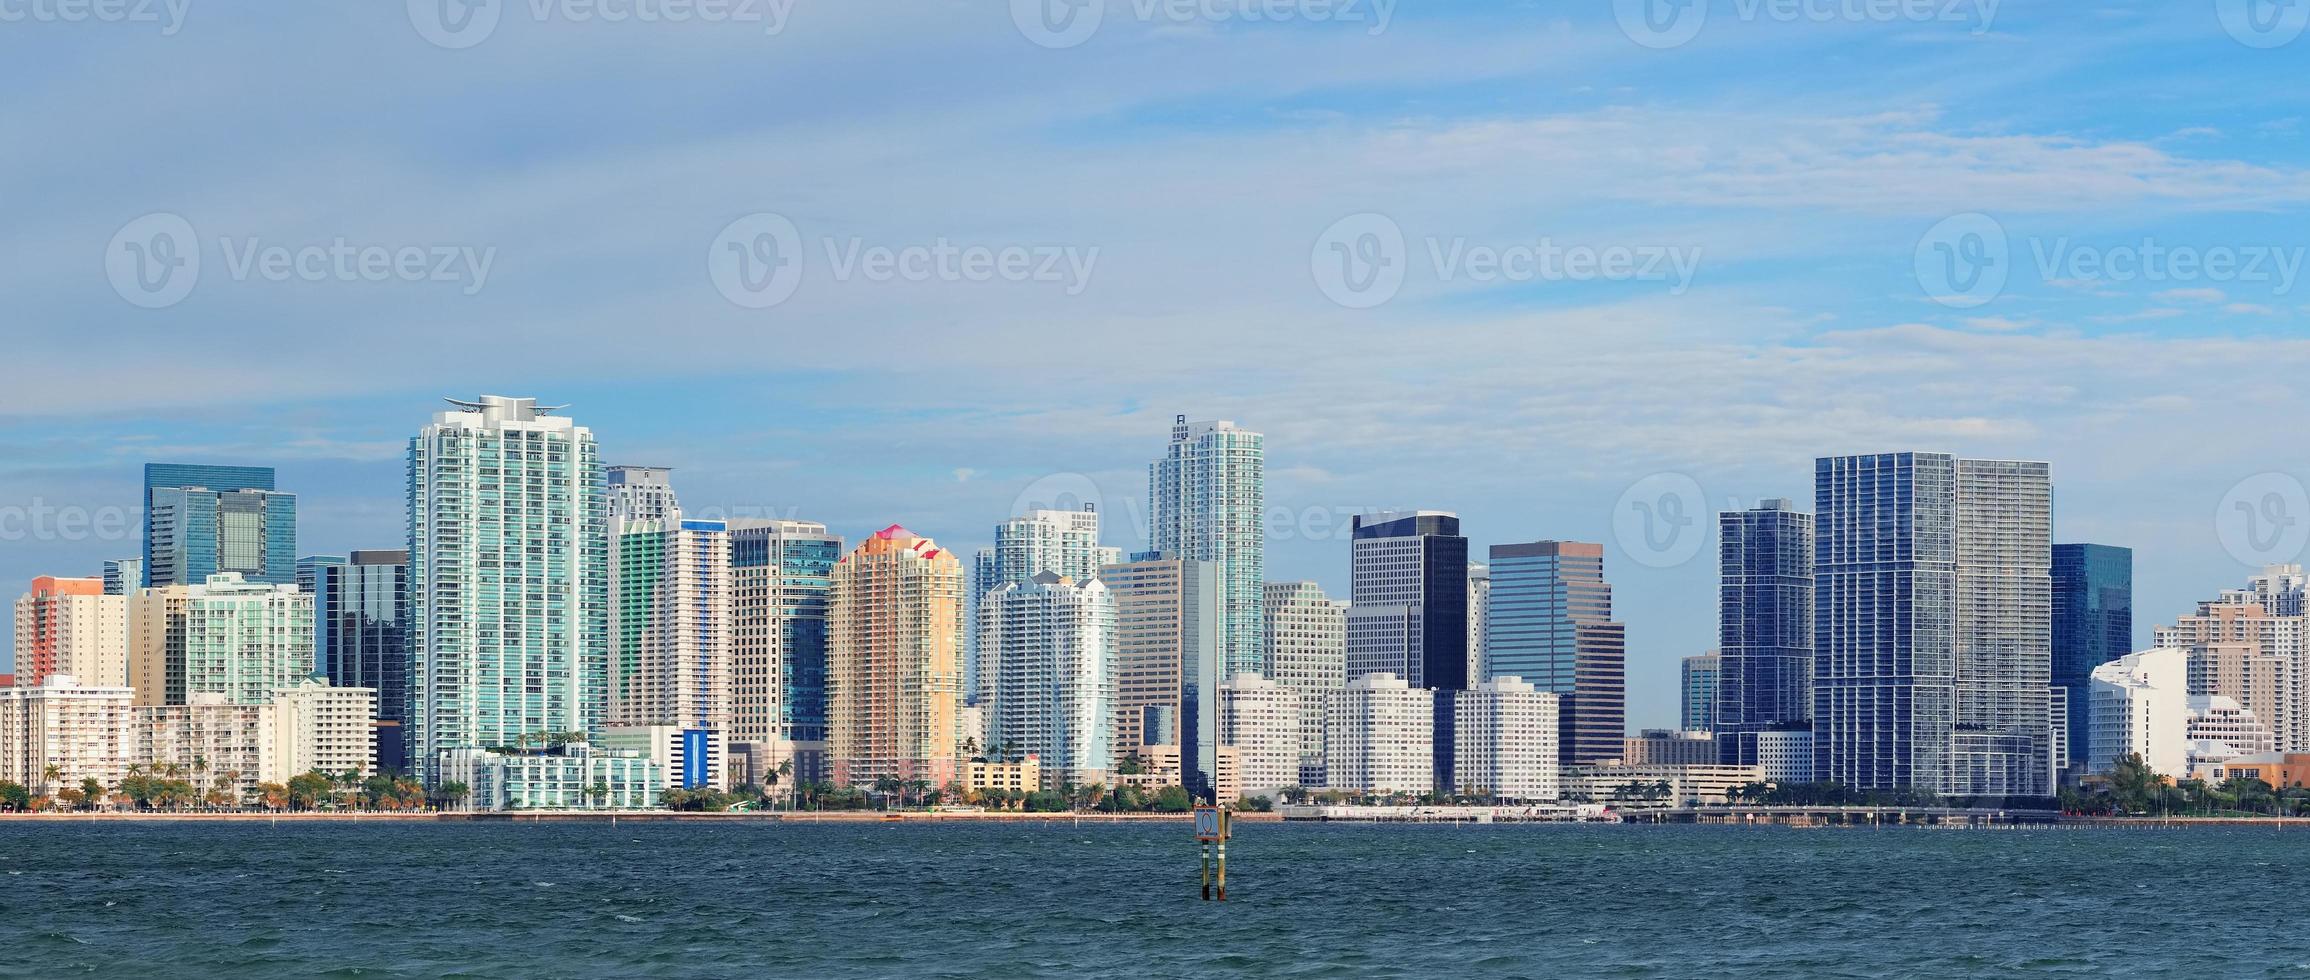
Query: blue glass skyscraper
{"points": [[361, 635], [1764, 626], [2093, 622], [1550, 623], [201, 520]]}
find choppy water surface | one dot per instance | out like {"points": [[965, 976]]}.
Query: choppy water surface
{"points": [[1010, 901]]}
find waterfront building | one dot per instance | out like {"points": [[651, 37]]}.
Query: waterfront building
{"points": [[1700, 675], [1063, 542], [232, 747], [781, 579], [640, 495], [1382, 737], [1208, 500], [2140, 706], [1507, 732], [1932, 624], [361, 635], [1662, 747], [894, 661], [1408, 605], [1307, 655], [1051, 665], [2249, 645], [1764, 627], [123, 576], [1706, 785], [509, 583], [985, 775], [577, 777], [1551, 624], [688, 758], [2093, 624], [230, 637], [1785, 755], [1259, 718], [71, 626], [2221, 728], [1168, 618], [1159, 767], [203, 520], [670, 629], [84, 730]]}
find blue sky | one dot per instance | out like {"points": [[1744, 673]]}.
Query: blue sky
{"points": [[1805, 166]]}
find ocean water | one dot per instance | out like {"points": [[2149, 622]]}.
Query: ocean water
{"points": [[1053, 900]]}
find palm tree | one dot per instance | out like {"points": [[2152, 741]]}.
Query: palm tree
{"points": [[49, 774], [598, 792], [884, 786]]}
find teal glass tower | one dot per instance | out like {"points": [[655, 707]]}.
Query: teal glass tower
{"points": [[201, 520]]}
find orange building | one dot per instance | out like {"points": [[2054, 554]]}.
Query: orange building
{"points": [[894, 640], [2279, 769]]}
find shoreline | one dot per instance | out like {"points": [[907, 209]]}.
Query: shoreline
{"points": [[1849, 819]]}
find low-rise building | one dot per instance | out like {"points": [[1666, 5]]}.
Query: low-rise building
{"points": [[691, 758], [1786, 755], [1663, 747], [1676, 785], [1023, 776], [2279, 769], [1159, 767], [576, 777]]}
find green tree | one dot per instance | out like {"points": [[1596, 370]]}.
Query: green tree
{"points": [[307, 791], [13, 796], [1173, 799]]}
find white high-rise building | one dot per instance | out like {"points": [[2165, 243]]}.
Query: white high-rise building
{"points": [[640, 493], [2141, 706], [1051, 668], [1506, 733], [72, 626], [1064, 542], [1382, 737], [1307, 654], [1260, 719], [1479, 603], [2222, 729], [509, 579], [83, 730], [1209, 502], [670, 642]]}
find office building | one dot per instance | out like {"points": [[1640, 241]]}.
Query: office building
{"points": [[202, 520], [1551, 625], [1932, 624], [361, 635], [1764, 627], [1507, 731], [1259, 718], [123, 576], [1785, 755], [1382, 737], [781, 579], [71, 626], [894, 662], [1208, 501], [1307, 655], [509, 580], [1168, 614], [1700, 675], [688, 758], [1660, 747], [1050, 662], [1408, 601], [2093, 624]]}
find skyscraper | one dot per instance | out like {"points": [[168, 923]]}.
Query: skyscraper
{"points": [[123, 576], [781, 579], [1764, 626], [2093, 624], [1700, 691], [1208, 498], [1479, 603], [2249, 645], [640, 493], [1408, 605], [670, 625], [894, 662], [1307, 656], [361, 635], [239, 640], [201, 520], [71, 626], [1065, 542], [1051, 668], [1932, 624], [1167, 651], [1550, 624], [508, 578]]}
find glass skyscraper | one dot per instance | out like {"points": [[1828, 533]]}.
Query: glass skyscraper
{"points": [[1208, 501], [201, 520], [1701, 676], [1408, 602], [781, 574], [508, 579], [361, 637], [1764, 626], [1550, 623], [2093, 623]]}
